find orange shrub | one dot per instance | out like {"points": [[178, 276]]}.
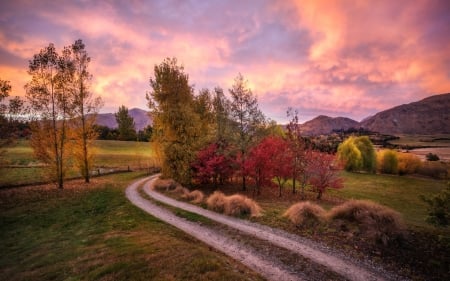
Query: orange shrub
{"points": [[305, 214], [408, 163]]}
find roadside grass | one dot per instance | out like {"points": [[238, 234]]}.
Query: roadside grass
{"points": [[92, 232]]}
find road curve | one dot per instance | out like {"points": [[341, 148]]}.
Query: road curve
{"points": [[214, 239]]}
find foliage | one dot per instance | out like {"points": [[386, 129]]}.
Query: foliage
{"points": [[176, 124], [388, 161], [432, 157], [439, 208], [125, 124], [212, 166], [376, 222], [305, 214], [323, 173], [408, 163]]}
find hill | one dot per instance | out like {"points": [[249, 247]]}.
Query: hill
{"points": [[141, 119], [322, 125], [428, 116]]}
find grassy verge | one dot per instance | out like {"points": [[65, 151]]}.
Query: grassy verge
{"points": [[93, 233]]}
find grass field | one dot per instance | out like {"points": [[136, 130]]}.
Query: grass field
{"points": [[22, 168], [93, 233]]}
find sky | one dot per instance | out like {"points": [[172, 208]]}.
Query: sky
{"points": [[335, 58]]}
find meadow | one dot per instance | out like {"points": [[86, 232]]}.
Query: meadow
{"points": [[20, 168]]}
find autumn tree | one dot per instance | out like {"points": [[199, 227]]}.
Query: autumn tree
{"points": [[323, 170], [175, 123], [247, 117], [358, 153], [212, 166], [85, 109], [125, 124], [50, 104]]}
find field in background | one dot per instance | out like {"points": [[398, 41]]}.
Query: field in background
{"points": [[424, 144], [94, 233], [19, 166]]}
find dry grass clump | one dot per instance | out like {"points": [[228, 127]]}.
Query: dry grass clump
{"points": [[165, 184], [216, 202], [305, 214], [235, 205], [373, 220], [238, 205], [181, 190], [195, 196]]}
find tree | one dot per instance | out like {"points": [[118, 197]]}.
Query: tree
{"points": [[358, 153], [247, 117], [85, 109], [388, 161], [176, 130], [323, 170], [301, 153], [439, 208], [125, 124], [211, 165], [49, 99], [281, 160], [432, 157]]}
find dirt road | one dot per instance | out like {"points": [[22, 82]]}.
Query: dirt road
{"points": [[348, 269]]}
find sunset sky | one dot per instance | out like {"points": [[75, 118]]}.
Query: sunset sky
{"points": [[336, 58]]}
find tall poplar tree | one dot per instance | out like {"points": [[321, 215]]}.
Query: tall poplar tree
{"points": [[175, 122], [125, 123]]}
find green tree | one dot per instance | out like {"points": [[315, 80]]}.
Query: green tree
{"points": [[439, 208], [368, 154], [125, 124], [176, 130], [388, 161], [85, 109], [350, 155], [50, 105], [248, 118]]}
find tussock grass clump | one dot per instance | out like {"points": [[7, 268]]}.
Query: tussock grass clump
{"points": [[180, 190], [374, 221], [238, 205], [195, 196], [234, 205], [165, 184], [305, 214], [216, 202]]}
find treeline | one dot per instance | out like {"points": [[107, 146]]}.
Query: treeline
{"points": [[209, 137]]}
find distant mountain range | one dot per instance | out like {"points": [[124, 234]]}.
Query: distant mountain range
{"points": [[428, 116], [141, 119]]}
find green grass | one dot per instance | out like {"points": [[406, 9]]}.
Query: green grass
{"points": [[94, 233]]}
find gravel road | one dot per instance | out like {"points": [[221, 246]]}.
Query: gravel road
{"points": [[349, 269]]}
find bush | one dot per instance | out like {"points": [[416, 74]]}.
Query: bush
{"points": [[181, 190], [235, 205], [238, 205], [374, 221], [432, 157], [195, 196], [216, 202], [388, 161], [439, 208], [165, 184], [408, 163], [305, 214]]}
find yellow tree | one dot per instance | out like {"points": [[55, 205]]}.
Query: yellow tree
{"points": [[49, 96]]}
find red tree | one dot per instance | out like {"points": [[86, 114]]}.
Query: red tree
{"points": [[211, 165], [269, 159], [323, 173]]}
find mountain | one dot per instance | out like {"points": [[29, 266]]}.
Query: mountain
{"points": [[322, 125], [141, 119], [428, 116]]}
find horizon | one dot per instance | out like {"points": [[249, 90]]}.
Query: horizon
{"points": [[337, 59]]}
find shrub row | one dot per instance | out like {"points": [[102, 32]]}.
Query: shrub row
{"points": [[233, 205]]}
